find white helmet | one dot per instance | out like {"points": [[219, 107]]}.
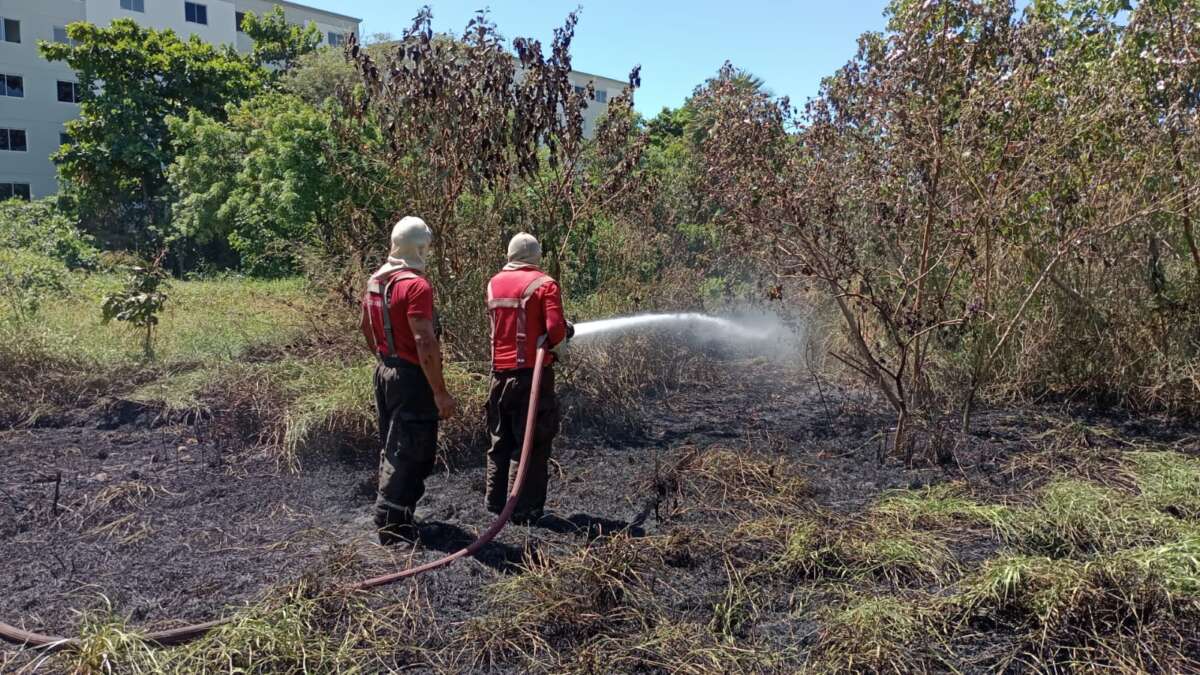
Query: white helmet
{"points": [[411, 238], [524, 248]]}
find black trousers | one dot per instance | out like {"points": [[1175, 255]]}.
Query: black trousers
{"points": [[408, 426], [508, 403]]}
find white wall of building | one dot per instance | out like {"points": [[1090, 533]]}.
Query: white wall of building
{"points": [[38, 113], [606, 88], [161, 14], [41, 115]]}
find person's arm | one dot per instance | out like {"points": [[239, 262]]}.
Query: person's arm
{"points": [[429, 351], [429, 348], [552, 314], [364, 325]]}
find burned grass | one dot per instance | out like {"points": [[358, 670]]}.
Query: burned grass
{"points": [[880, 634], [750, 562], [560, 603]]}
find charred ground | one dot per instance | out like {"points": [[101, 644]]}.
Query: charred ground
{"points": [[746, 525]]}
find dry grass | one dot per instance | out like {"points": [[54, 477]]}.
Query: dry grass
{"points": [[831, 548], [561, 603], [881, 634]]}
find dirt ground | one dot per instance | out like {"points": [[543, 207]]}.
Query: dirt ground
{"points": [[118, 511]]}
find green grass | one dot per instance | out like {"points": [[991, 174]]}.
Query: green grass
{"points": [[827, 548], [881, 634], [1168, 481], [1077, 518], [202, 322], [941, 506]]}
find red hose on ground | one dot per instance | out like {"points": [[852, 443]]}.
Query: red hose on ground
{"points": [[183, 634]]}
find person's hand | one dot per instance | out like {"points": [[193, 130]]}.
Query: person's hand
{"points": [[446, 405]]}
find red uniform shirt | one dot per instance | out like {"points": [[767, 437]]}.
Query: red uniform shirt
{"points": [[543, 316], [409, 298]]}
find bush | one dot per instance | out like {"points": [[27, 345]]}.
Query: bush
{"points": [[27, 279], [39, 227]]}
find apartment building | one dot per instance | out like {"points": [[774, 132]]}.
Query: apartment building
{"points": [[37, 97], [606, 88]]}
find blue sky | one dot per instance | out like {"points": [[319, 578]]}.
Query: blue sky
{"points": [[790, 45]]}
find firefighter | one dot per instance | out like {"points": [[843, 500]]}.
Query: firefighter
{"points": [[399, 323], [525, 308]]}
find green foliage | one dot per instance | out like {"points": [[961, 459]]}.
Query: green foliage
{"points": [[1169, 481], [133, 79], [139, 302], [261, 179], [278, 43], [27, 279], [39, 227], [317, 75]]}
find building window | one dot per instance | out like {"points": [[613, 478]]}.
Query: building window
{"points": [[579, 90], [10, 30], [12, 85], [195, 12], [69, 92], [61, 37], [134, 5], [10, 190], [13, 140], [336, 39], [238, 19], [602, 96]]}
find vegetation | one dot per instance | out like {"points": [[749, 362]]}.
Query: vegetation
{"points": [[114, 166], [990, 207]]}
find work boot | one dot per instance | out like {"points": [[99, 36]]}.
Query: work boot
{"points": [[530, 517], [398, 533]]}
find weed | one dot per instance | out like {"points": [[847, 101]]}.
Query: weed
{"points": [[563, 602], [826, 549], [876, 634], [1073, 518], [106, 646], [1114, 609], [724, 480], [684, 648], [941, 506], [1168, 481], [739, 607]]}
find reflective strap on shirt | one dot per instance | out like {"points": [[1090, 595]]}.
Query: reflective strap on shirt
{"points": [[374, 286], [519, 305]]}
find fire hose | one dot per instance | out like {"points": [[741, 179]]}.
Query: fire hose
{"points": [[182, 634]]}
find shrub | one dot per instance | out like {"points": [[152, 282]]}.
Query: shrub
{"points": [[27, 279], [139, 302], [39, 227]]}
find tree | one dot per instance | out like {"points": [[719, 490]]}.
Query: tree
{"points": [[139, 302], [967, 174], [317, 76], [481, 145], [133, 79], [277, 43], [262, 178]]}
